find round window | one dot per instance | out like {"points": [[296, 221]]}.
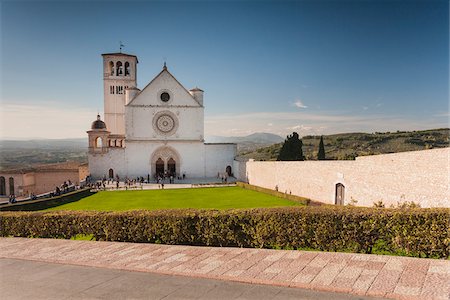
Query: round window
{"points": [[165, 97]]}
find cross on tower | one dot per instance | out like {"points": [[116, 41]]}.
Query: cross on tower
{"points": [[121, 46]]}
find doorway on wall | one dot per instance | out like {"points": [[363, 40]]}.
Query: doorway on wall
{"points": [[111, 173], [172, 166], [228, 170], [159, 167], [340, 193], [2, 186], [11, 186]]}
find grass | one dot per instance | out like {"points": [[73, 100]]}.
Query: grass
{"points": [[199, 198]]}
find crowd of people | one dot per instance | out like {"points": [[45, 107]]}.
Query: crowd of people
{"points": [[130, 183]]}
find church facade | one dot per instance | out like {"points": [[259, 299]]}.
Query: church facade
{"points": [[154, 131]]}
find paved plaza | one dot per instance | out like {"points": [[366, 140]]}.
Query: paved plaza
{"points": [[24, 279], [357, 274]]}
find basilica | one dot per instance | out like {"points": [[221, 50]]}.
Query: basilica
{"points": [[154, 131]]}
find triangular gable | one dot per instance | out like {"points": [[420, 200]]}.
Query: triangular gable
{"points": [[166, 81]]}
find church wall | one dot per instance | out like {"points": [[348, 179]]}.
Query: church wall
{"points": [[218, 157], [99, 164], [190, 157], [178, 95], [139, 123], [418, 176]]}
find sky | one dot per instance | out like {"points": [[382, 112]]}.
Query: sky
{"points": [[314, 67]]}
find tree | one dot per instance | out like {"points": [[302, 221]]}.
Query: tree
{"points": [[321, 153], [292, 148]]}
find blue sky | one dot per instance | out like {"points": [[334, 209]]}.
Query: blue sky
{"points": [[315, 67]]}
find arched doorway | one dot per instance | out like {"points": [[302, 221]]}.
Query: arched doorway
{"points": [[340, 193], [228, 170], [165, 160], [2, 186], [171, 167], [111, 173], [159, 167], [11, 186]]}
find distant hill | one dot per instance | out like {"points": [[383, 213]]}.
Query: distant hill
{"points": [[248, 143], [259, 146], [21, 154], [346, 146], [45, 144]]}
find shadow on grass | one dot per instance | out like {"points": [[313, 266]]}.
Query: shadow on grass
{"points": [[41, 204]]}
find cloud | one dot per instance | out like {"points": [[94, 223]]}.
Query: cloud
{"points": [[300, 127], [365, 107], [299, 104]]}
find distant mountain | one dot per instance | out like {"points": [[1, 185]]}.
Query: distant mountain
{"points": [[258, 138]]}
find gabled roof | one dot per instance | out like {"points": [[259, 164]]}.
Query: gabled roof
{"points": [[159, 74]]}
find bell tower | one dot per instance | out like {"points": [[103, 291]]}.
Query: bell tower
{"points": [[119, 73]]}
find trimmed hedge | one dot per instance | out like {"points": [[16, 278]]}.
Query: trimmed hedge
{"points": [[413, 232], [302, 200]]}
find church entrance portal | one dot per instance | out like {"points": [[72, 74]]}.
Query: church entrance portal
{"points": [[159, 167], [171, 167], [165, 161]]}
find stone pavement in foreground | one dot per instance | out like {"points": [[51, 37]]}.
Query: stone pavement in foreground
{"points": [[370, 275]]}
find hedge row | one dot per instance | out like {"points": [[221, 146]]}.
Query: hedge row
{"points": [[302, 200], [414, 232]]}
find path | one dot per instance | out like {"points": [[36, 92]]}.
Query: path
{"points": [[360, 274], [22, 279]]}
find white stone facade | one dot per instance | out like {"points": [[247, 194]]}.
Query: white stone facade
{"points": [[418, 176], [159, 129]]}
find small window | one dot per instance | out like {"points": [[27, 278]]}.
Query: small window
{"points": [[119, 68], [119, 89], [111, 89], [127, 69], [111, 68]]}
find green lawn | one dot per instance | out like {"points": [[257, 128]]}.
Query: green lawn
{"points": [[201, 198]]}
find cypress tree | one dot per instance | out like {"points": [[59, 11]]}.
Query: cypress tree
{"points": [[292, 148], [321, 153]]}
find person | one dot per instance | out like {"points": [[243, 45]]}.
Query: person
{"points": [[184, 175], [162, 185], [276, 188], [117, 184]]}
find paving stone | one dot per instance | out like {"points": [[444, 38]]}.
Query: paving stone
{"points": [[396, 277], [385, 282]]}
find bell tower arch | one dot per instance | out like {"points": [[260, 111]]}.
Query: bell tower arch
{"points": [[119, 73]]}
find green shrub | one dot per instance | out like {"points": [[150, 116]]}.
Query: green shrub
{"points": [[412, 232]]}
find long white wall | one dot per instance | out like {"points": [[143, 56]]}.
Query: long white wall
{"points": [[418, 176]]}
